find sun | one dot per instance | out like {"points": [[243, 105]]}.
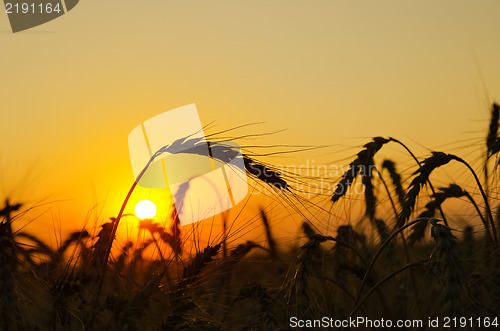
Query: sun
{"points": [[145, 209]]}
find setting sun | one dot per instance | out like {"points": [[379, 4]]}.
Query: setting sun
{"points": [[145, 209]]}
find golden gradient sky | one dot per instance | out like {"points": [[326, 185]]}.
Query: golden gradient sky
{"points": [[331, 72]]}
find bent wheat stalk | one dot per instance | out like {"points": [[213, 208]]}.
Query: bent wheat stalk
{"points": [[252, 167], [421, 177], [419, 164], [116, 221], [362, 162], [485, 197]]}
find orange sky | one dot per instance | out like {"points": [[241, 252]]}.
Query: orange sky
{"points": [[331, 72]]}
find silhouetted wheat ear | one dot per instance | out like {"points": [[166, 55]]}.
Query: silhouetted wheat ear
{"points": [[6, 212], [175, 230], [100, 248], [295, 287], [437, 199], [180, 299], [120, 262], [171, 239], [396, 180], [308, 230], [226, 153], [362, 163], [137, 255], [257, 169], [491, 139], [421, 177], [270, 239], [298, 286], [199, 262], [241, 250], [451, 268], [73, 237]]}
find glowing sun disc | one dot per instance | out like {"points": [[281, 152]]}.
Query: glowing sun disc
{"points": [[145, 209]]}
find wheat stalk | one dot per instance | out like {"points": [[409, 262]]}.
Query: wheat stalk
{"points": [[270, 239], [421, 177], [492, 146], [437, 199], [199, 262], [419, 165], [363, 161]]}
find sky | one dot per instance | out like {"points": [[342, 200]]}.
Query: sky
{"points": [[325, 72]]}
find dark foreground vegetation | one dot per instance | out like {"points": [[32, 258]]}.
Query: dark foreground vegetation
{"points": [[414, 263]]}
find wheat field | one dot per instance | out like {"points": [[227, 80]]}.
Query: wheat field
{"points": [[412, 262]]}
